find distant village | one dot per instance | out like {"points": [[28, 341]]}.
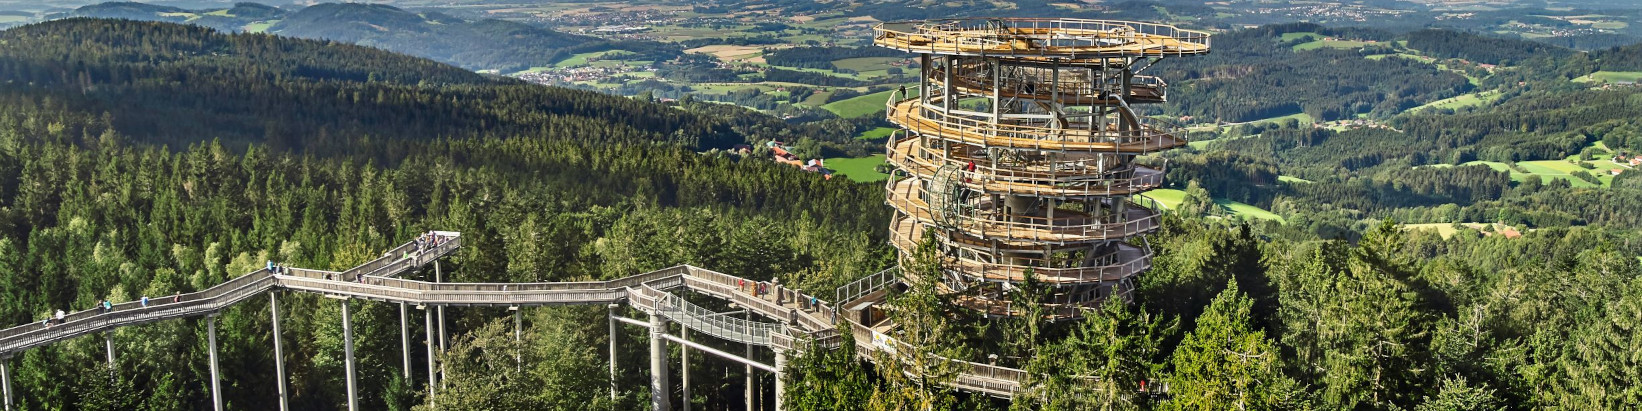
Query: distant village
{"points": [[781, 154]]}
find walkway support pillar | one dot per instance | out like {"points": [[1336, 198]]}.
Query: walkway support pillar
{"points": [[684, 366], [780, 370], [108, 345], [5, 379], [347, 352], [751, 384], [433, 376], [439, 277], [613, 308], [518, 336], [404, 339], [216, 380], [279, 353], [659, 392]]}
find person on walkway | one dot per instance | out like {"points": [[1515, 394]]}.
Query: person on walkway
{"points": [[145, 301], [59, 316], [176, 298], [107, 306]]}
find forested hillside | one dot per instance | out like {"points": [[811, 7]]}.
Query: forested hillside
{"points": [[145, 159], [504, 46], [546, 184]]}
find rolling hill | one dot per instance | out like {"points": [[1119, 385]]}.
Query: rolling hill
{"points": [[498, 45]]}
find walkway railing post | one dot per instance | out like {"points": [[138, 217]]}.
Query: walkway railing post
{"points": [[279, 353], [5, 379], [433, 376], [216, 380], [613, 352], [404, 340], [347, 352], [659, 393]]}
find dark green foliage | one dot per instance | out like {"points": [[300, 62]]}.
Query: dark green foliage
{"points": [[1252, 75], [1482, 49]]}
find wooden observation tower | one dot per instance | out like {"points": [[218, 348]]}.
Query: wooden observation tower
{"points": [[1020, 150]]}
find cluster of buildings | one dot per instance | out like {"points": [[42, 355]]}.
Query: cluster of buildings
{"points": [[781, 154], [1623, 162], [602, 18], [579, 74], [1331, 11]]}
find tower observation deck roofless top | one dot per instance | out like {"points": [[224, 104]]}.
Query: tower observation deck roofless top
{"points": [[1020, 150]]}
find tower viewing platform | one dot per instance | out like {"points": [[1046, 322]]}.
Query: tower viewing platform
{"points": [[1022, 153]]}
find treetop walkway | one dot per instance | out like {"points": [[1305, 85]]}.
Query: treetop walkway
{"points": [[799, 319]]}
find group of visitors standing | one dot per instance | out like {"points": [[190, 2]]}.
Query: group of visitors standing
{"points": [[105, 307]]}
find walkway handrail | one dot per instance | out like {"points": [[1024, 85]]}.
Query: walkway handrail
{"points": [[802, 318], [847, 293]]}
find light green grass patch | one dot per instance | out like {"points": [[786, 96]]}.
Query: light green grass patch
{"points": [[1610, 25], [1546, 170], [876, 133], [1247, 211], [1301, 35], [862, 105], [1168, 197], [1611, 77], [581, 58], [1338, 44], [1462, 101], [1171, 198], [865, 64], [818, 98], [1293, 179], [261, 26], [859, 169]]}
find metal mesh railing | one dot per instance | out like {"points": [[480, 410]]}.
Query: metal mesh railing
{"points": [[720, 325], [867, 285]]}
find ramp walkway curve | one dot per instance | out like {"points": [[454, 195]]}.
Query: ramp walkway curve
{"points": [[797, 321]]}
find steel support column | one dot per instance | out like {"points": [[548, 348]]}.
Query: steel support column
{"points": [[684, 366], [752, 384], [518, 336], [780, 369], [404, 340], [347, 352], [5, 379], [439, 276], [216, 378], [659, 388], [433, 376], [279, 352], [108, 346], [613, 351]]}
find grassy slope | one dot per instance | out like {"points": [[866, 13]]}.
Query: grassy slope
{"points": [[860, 106], [858, 169], [1171, 198]]}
